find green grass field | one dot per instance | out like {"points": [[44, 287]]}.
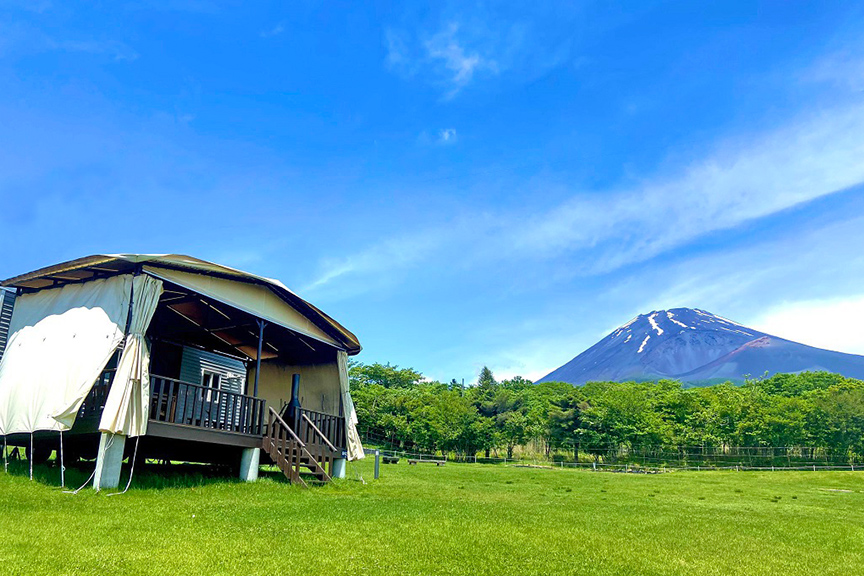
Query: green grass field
{"points": [[458, 519]]}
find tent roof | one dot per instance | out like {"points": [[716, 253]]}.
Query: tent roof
{"points": [[103, 265]]}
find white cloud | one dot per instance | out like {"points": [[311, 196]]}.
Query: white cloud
{"points": [[375, 261], [443, 137], [447, 136], [271, 32], [834, 324], [461, 63], [743, 180], [443, 59]]}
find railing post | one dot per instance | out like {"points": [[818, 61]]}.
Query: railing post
{"points": [[270, 426], [169, 405]]}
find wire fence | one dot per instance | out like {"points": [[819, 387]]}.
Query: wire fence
{"points": [[652, 459]]}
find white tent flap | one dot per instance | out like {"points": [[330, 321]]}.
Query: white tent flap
{"points": [[128, 405], [355, 447], [60, 341]]}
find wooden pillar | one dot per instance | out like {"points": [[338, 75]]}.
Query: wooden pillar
{"points": [[261, 325]]}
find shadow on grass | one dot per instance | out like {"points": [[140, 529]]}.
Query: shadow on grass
{"points": [[147, 475]]}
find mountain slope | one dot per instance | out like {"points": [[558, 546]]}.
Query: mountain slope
{"points": [[695, 346]]}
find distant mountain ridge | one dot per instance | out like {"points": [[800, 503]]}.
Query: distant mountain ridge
{"points": [[696, 347]]}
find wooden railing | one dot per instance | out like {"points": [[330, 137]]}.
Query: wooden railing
{"points": [[319, 446], [179, 402], [311, 426], [290, 453], [94, 403]]}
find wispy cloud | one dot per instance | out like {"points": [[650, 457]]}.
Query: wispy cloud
{"points": [[375, 260], [844, 69], [115, 49], [455, 46], [461, 63], [19, 37], [444, 58], [447, 136], [399, 55], [274, 31], [443, 137], [746, 178]]}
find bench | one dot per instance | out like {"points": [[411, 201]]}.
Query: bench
{"points": [[390, 459], [437, 462]]}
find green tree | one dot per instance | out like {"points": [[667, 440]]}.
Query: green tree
{"points": [[385, 375]]}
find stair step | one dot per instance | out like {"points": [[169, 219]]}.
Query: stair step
{"points": [[288, 455]]}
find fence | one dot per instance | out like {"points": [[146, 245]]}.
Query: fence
{"points": [[657, 458]]}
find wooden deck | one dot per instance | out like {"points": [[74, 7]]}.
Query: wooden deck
{"points": [[192, 422], [195, 406]]}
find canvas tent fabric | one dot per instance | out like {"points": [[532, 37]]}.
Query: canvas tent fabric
{"points": [[71, 317], [127, 407], [60, 341], [355, 447], [44, 277], [251, 298]]}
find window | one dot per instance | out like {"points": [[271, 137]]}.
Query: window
{"points": [[212, 383]]}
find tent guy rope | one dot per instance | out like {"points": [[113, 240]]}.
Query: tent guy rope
{"points": [[131, 471]]}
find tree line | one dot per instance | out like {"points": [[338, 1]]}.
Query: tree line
{"points": [[814, 413]]}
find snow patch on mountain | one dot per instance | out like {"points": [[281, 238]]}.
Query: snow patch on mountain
{"points": [[654, 324], [645, 341], [671, 317]]}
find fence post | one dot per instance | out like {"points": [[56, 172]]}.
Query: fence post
{"points": [[377, 464]]}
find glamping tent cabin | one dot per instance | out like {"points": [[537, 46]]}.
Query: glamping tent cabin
{"points": [[179, 359]]}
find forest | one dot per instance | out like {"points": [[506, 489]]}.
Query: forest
{"points": [[785, 418]]}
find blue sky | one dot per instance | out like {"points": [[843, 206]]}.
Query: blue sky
{"points": [[460, 184]]}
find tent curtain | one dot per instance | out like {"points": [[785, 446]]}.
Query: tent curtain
{"points": [[60, 341], [355, 447], [127, 407]]}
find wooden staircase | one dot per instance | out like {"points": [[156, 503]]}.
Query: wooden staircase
{"points": [[313, 458]]}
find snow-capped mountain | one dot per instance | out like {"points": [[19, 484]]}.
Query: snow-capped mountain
{"points": [[696, 347]]}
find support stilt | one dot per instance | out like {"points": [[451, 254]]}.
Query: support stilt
{"points": [[62, 463]]}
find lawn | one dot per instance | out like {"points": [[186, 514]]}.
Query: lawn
{"points": [[457, 519]]}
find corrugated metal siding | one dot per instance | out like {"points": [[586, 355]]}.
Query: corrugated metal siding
{"points": [[232, 373], [194, 362], [7, 302]]}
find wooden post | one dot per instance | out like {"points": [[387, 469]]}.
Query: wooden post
{"points": [[261, 325]]}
